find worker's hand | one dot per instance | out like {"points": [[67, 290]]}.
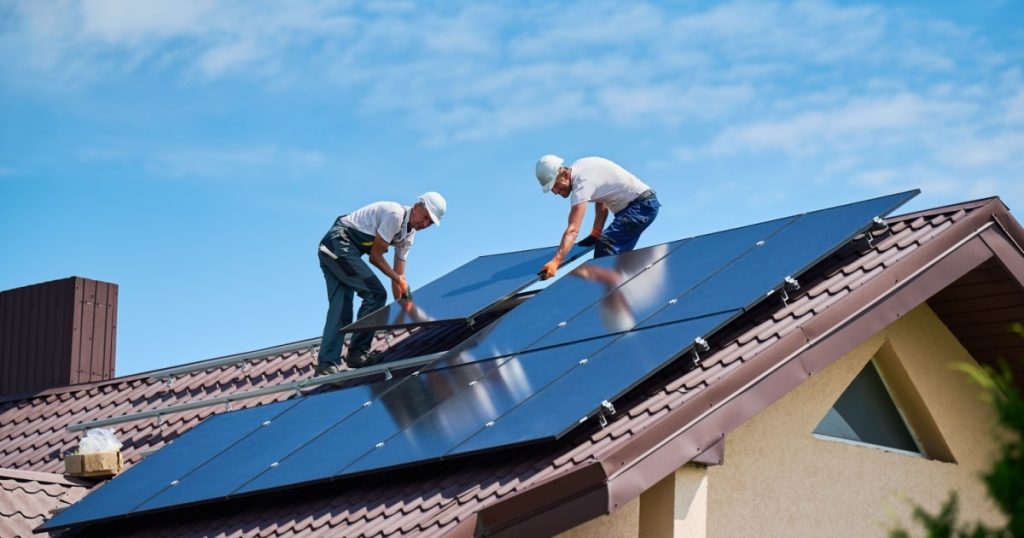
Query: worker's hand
{"points": [[400, 288], [591, 239], [548, 270]]}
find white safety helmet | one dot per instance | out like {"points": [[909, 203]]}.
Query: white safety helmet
{"points": [[435, 204], [547, 171]]}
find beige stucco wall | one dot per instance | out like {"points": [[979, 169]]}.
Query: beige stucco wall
{"points": [[778, 480]]}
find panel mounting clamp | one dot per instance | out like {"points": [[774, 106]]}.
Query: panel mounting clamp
{"points": [[788, 284], [878, 224], [699, 344], [607, 409]]}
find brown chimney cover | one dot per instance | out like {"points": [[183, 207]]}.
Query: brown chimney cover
{"points": [[57, 333]]}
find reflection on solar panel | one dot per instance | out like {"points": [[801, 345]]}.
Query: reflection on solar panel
{"points": [[465, 292], [533, 375]]}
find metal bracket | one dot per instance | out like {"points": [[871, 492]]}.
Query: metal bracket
{"points": [[387, 374], [878, 224], [702, 345], [170, 381], [788, 284], [227, 405], [607, 410], [608, 407]]}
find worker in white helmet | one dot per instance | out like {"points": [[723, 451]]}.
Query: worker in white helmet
{"points": [[367, 230], [610, 188]]}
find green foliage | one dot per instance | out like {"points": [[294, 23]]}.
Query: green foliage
{"points": [[1004, 480]]}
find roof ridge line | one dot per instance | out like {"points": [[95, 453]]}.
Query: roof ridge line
{"points": [[970, 204]]}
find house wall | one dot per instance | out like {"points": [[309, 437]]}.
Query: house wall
{"points": [[778, 480]]}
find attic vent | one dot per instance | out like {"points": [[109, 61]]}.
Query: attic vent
{"points": [[865, 414]]}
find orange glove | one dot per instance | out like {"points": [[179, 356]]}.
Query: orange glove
{"points": [[548, 270], [401, 288]]}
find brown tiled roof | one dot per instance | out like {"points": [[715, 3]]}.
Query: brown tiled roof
{"points": [[32, 428], [667, 421], [29, 498]]}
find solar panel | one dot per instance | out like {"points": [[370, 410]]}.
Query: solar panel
{"points": [[522, 326], [621, 308], [466, 291], [624, 362], [159, 470], [533, 375], [261, 448], [789, 252]]}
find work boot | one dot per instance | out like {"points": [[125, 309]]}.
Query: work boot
{"points": [[326, 368], [366, 359]]}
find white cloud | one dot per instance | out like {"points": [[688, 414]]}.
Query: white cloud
{"points": [[1015, 107], [860, 122], [233, 57], [981, 151], [469, 71], [130, 21], [233, 162]]}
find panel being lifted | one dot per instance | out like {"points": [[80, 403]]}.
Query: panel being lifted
{"points": [[723, 271], [466, 291]]}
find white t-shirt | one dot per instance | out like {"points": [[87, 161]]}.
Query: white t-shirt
{"points": [[595, 179], [389, 220]]}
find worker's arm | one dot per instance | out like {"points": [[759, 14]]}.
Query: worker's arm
{"points": [[600, 215], [568, 238], [399, 265], [380, 246]]}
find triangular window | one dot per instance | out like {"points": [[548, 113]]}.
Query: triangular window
{"points": [[865, 414]]}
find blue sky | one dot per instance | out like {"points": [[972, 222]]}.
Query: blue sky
{"points": [[194, 152]]}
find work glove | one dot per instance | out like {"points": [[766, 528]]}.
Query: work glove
{"points": [[401, 289], [548, 270], [591, 239]]}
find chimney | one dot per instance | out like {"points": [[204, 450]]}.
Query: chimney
{"points": [[57, 333]]}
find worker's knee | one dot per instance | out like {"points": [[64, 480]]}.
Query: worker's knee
{"points": [[374, 293], [604, 246]]}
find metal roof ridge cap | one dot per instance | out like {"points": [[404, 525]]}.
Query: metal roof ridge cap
{"points": [[616, 453], [1009, 224], [271, 389], [938, 210]]}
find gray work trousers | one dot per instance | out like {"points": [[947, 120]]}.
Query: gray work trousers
{"points": [[347, 276]]}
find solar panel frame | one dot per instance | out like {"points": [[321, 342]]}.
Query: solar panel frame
{"points": [[406, 313]]}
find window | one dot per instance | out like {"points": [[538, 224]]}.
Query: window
{"points": [[865, 414]]}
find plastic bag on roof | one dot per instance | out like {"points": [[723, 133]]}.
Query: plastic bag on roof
{"points": [[98, 440]]}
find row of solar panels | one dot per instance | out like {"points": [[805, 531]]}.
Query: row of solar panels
{"points": [[532, 375]]}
